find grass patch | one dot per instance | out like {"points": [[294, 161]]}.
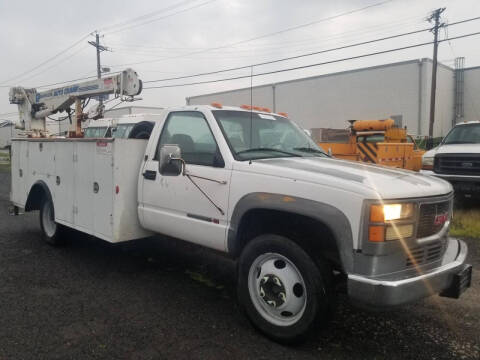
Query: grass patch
{"points": [[466, 223]]}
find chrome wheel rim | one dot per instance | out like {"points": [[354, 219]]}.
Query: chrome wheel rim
{"points": [[277, 289], [48, 220]]}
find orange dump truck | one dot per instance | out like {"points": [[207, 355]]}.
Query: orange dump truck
{"points": [[372, 141]]}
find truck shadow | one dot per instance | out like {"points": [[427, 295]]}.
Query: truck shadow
{"points": [[424, 330]]}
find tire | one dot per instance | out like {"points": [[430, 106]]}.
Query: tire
{"points": [[272, 265], [52, 232]]}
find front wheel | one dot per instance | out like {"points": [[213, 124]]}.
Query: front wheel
{"points": [[51, 231], [281, 289]]}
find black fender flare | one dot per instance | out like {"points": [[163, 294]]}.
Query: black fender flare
{"points": [[334, 219], [37, 193]]}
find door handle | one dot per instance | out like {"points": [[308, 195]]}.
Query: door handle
{"points": [[150, 174]]}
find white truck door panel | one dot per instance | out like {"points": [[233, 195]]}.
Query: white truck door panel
{"points": [[102, 188], [173, 205], [20, 172], [64, 188], [84, 175]]}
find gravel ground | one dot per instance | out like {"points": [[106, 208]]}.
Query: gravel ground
{"points": [[163, 299]]}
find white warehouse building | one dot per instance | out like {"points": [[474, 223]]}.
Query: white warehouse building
{"points": [[399, 90]]}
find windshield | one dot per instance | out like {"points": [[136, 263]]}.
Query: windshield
{"points": [[95, 132], [123, 130], [260, 136], [376, 138], [463, 134]]}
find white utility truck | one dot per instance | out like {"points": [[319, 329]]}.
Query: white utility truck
{"points": [[252, 184]]}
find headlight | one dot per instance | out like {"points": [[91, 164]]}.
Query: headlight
{"points": [[389, 212], [427, 163], [391, 222]]}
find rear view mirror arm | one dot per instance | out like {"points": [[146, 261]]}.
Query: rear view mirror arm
{"points": [[204, 193], [184, 173]]}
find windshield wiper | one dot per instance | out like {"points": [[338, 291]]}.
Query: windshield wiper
{"points": [[309, 150], [267, 149]]}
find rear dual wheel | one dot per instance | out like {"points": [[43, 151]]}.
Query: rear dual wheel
{"points": [[281, 289], [52, 232]]}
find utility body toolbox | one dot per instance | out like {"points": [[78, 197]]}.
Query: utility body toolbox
{"points": [[92, 182]]}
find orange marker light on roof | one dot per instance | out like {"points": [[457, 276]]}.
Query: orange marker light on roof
{"points": [[216, 105], [265, 109], [246, 107], [284, 114], [257, 108]]}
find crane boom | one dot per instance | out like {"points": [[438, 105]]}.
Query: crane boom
{"points": [[34, 106]]}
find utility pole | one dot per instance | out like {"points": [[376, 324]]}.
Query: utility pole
{"points": [[435, 17], [97, 45], [99, 48]]}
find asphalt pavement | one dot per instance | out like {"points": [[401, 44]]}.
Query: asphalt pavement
{"points": [[166, 299]]}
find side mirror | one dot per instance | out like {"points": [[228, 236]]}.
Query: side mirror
{"points": [[170, 162]]}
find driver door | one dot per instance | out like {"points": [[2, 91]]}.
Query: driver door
{"points": [[178, 207]]}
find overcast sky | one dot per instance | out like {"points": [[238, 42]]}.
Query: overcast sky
{"points": [[179, 37]]}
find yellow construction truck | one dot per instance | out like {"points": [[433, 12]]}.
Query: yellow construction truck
{"points": [[372, 141]]}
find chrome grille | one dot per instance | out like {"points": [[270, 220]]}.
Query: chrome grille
{"points": [[425, 254], [426, 220], [457, 164]]}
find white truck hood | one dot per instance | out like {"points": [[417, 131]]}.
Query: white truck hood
{"points": [[371, 181], [458, 149]]}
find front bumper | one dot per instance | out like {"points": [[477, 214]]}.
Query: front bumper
{"points": [[397, 289]]}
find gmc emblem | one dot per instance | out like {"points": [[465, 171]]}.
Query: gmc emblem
{"points": [[467, 164], [441, 219]]}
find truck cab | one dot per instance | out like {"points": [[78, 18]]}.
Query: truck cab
{"points": [[253, 185]]}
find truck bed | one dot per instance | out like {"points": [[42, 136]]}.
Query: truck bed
{"points": [[93, 182]]}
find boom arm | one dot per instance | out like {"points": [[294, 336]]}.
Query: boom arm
{"points": [[34, 106]]}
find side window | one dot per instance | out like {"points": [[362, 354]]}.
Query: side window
{"points": [[190, 131]]}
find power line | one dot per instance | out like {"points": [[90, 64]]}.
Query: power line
{"points": [[247, 66], [264, 35], [145, 16], [114, 106], [161, 18], [254, 50], [54, 65], [311, 65], [78, 42], [306, 55], [281, 45], [290, 57], [48, 60]]}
